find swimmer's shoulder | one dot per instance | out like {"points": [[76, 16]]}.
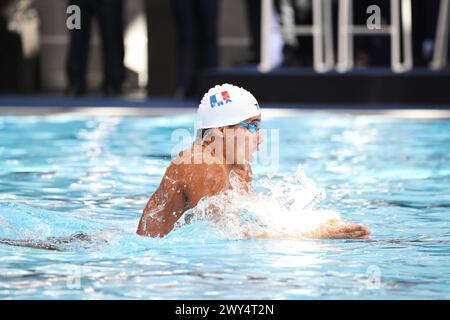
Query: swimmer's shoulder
{"points": [[186, 168], [196, 181], [195, 158], [187, 156]]}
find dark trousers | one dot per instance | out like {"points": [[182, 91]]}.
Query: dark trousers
{"points": [[300, 55], [11, 59], [254, 24], [425, 16], [109, 14], [196, 26]]}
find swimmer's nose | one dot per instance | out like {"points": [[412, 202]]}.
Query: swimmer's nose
{"points": [[259, 138]]}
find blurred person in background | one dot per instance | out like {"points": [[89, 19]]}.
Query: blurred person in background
{"points": [[297, 50], [10, 56], [196, 23], [254, 25], [10, 53], [371, 50], [109, 14], [425, 16]]}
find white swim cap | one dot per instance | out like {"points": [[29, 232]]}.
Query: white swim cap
{"points": [[226, 105]]}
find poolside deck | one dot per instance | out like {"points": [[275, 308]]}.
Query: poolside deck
{"points": [[45, 105]]}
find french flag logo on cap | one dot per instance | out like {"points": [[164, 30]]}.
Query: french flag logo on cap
{"points": [[219, 99]]}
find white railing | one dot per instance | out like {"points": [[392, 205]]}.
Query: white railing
{"points": [[400, 32], [321, 31], [401, 24], [441, 41]]}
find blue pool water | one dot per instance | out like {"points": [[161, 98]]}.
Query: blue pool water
{"points": [[60, 175]]}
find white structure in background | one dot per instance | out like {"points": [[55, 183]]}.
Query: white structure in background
{"points": [[320, 30], [25, 21], [276, 48], [401, 25], [400, 32], [136, 50], [441, 42]]}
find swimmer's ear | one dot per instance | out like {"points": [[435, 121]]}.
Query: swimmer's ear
{"points": [[218, 132]]}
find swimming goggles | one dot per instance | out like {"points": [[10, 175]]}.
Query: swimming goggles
{"points": [[253, 126]]}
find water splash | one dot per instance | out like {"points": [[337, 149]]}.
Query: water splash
{"points": [[283, 203], [280, 203]]}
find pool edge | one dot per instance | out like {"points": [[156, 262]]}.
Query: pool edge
{"points": [[268, 112]]}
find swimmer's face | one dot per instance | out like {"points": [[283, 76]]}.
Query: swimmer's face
{"points": [[245, 140]]}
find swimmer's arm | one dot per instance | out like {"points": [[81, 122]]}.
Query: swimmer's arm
{"points": [[332, 229], [163, 209], [159, 219], [337, 229]]}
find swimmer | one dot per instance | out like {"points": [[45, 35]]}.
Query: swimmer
{"points": [[226, 114]]}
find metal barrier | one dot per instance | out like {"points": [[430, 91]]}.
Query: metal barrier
{"points": [[401, 25], [441, 42], [320, 30], [399, 30]]}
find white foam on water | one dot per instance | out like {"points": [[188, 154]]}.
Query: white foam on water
{"points": [[283, 204], [287, 204]]}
